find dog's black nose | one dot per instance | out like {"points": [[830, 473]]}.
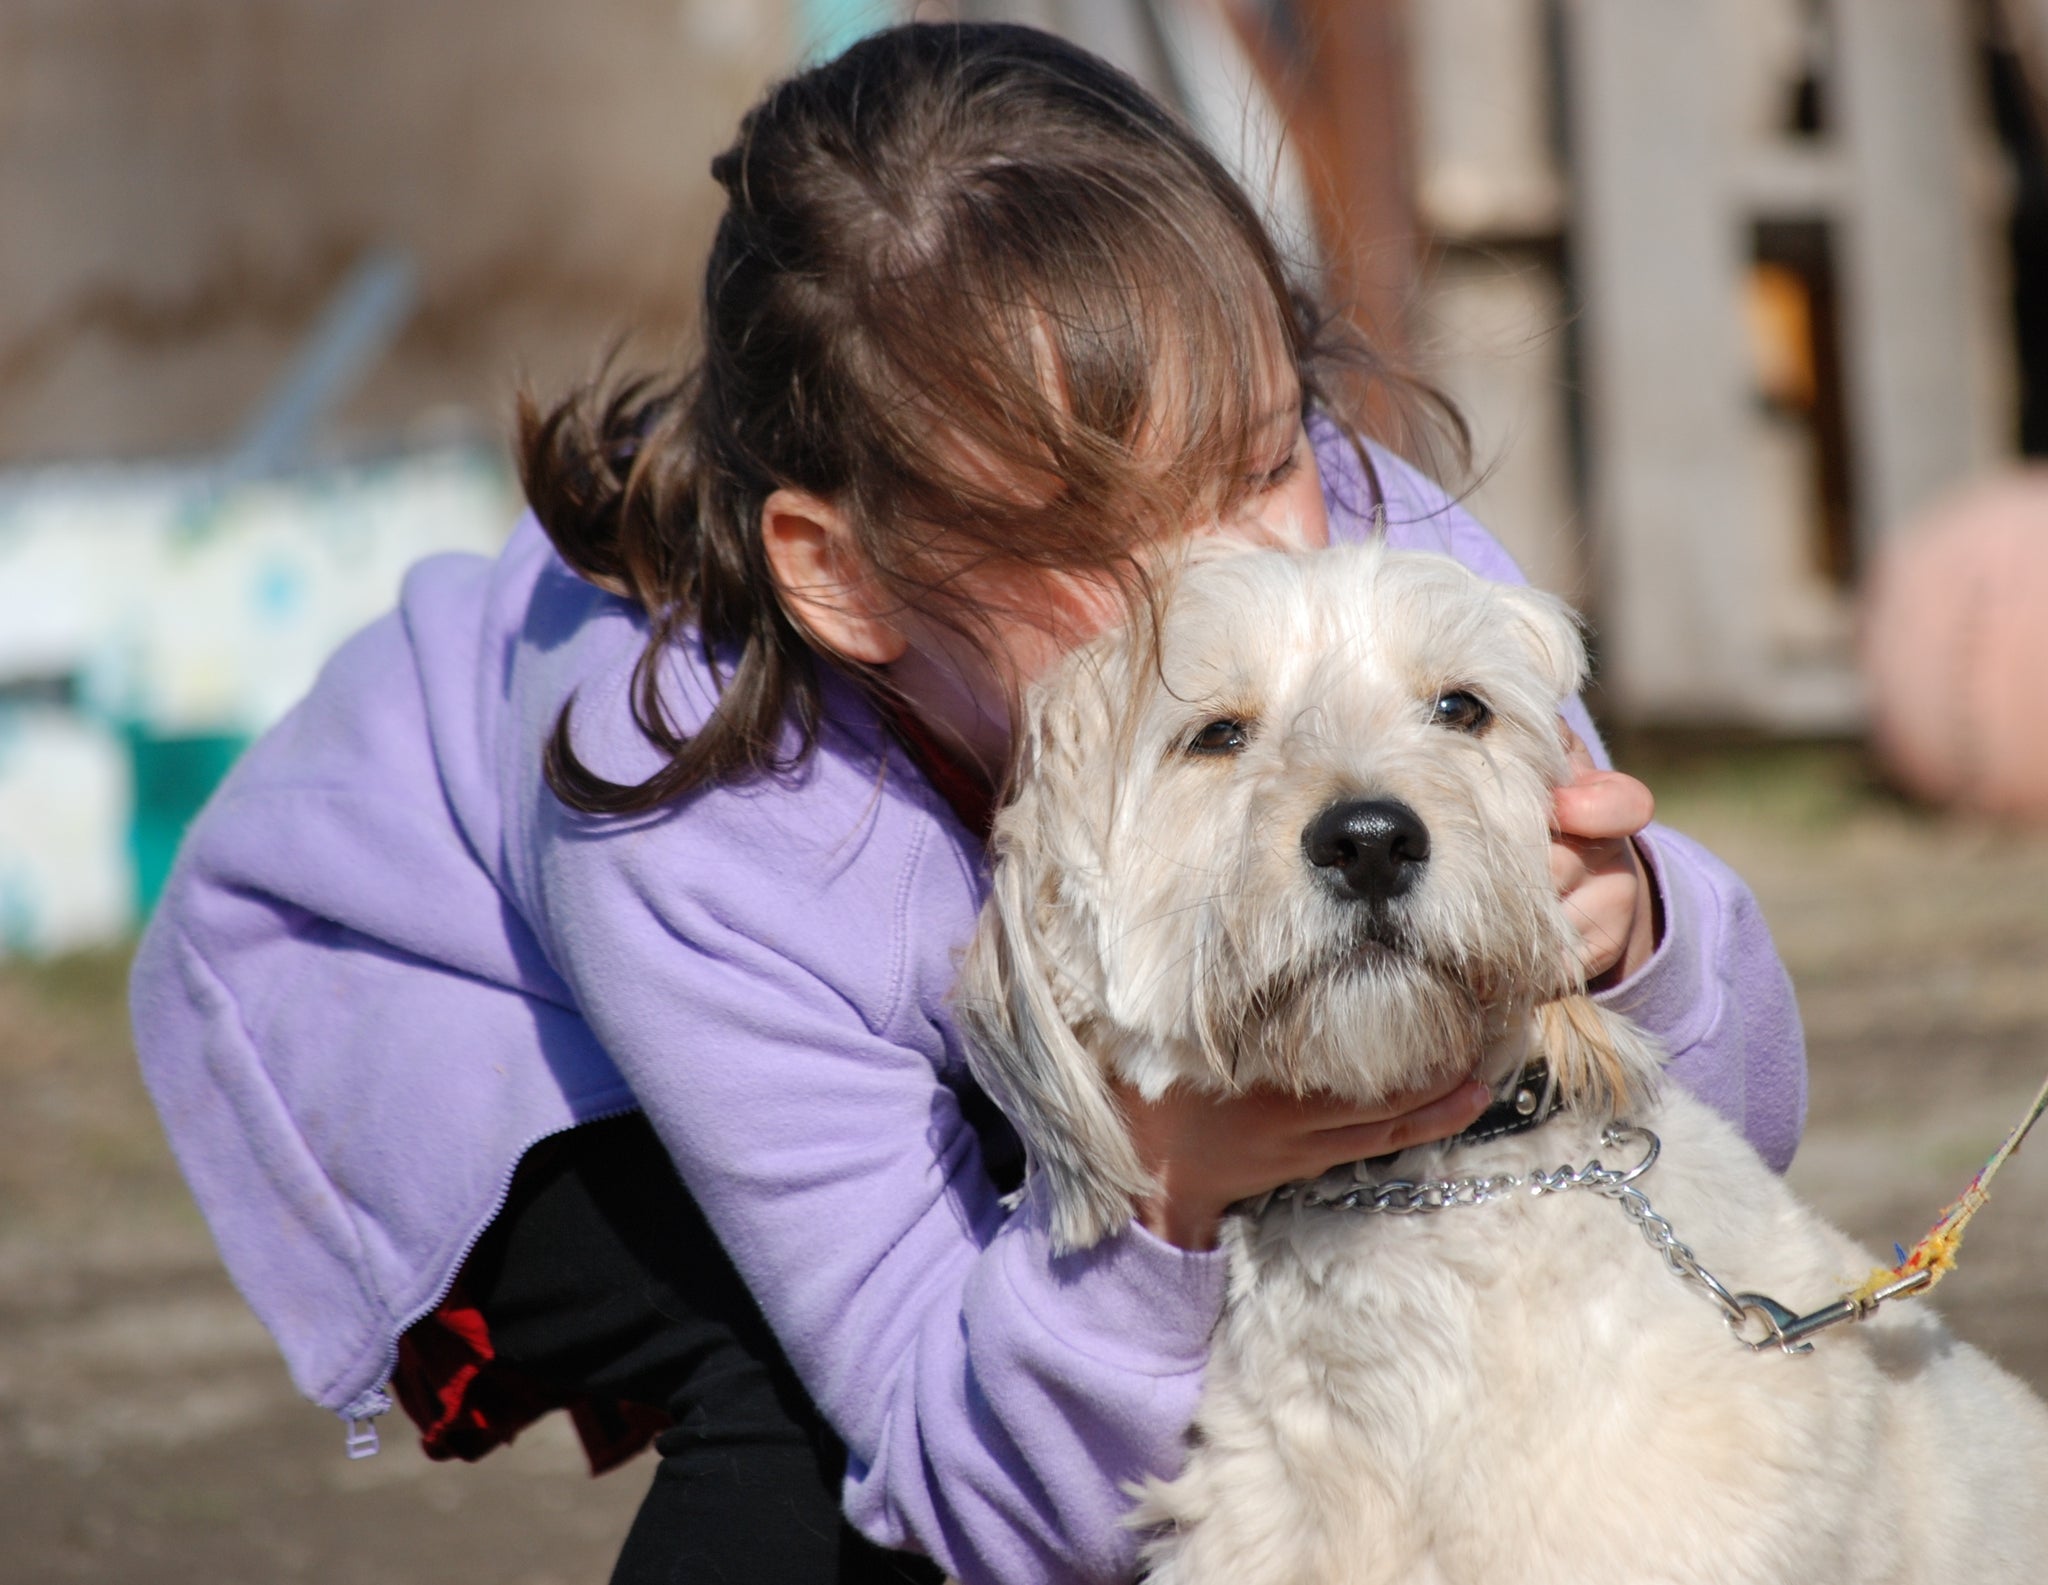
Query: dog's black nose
{"points": [[1369, 849]]}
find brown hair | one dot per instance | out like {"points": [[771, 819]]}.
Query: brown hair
{"points": [[980, 291]]}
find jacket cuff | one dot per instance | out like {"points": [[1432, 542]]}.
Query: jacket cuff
{"points": [[1133, 1302], [1673, 996]]}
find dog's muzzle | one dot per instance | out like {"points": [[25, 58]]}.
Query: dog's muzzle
{"points": [[1369, 850]]}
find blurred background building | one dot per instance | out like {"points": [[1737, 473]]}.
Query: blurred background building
{"points": [[1730, 293], [1746, 302]]}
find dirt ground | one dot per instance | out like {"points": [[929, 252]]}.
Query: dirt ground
{"points": [[147, 1432]]}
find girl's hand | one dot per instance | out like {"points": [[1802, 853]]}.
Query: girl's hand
{"points": [[1209, 1151], [1597, 870]]}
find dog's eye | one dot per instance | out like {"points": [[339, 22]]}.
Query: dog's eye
{"points": [[1221, 737], [1461, 711]]}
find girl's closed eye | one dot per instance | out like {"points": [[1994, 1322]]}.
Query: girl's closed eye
{"points": [[1274, 477], [1281, 505]]}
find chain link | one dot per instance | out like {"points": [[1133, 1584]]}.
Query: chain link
{"points": [[1758, 1321], [1411, 1197], [1678, 1258]]}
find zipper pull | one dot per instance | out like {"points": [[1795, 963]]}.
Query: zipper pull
{"points": [[359, 1423]]}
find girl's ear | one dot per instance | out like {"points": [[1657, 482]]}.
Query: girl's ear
{"points": [[823, 580]]}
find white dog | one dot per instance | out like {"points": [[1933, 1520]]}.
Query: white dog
{"points": [[1302, 842]]}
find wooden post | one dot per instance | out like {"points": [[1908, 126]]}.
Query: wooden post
{"points": [[1659, 259], [1929, 365]]}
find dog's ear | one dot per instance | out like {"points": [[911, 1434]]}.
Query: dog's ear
{"points": [[1024, 983], [1600, 1060], [1025, 1054], [1549, 630]]}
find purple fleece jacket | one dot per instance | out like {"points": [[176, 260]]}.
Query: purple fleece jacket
{"points": [[389, 962]]}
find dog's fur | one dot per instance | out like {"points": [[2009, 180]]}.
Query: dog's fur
{"points": [[1518, 1391]]}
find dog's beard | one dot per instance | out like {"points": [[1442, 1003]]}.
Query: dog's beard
{"points": [[1370, 1014]]}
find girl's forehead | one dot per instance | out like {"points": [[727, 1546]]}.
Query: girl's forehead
{"points": [[1198, 388], [1181, 436], [1079, 434], [1196, 376]]}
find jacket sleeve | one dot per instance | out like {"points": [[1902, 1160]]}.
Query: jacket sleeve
{"points": [[994, 1401], [1716, 997], [1714, 994]]}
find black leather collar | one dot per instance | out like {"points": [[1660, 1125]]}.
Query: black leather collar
{"points": [[1530, 1100]]}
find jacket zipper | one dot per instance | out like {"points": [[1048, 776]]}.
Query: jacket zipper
{"points": [[360, 1414]]}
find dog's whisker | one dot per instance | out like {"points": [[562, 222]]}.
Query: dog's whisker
{"points": [[1160, 916]]}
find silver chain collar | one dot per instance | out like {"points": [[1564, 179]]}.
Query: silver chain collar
{"points": [[1776, 1326]]}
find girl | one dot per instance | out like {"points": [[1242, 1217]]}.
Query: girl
{"points": [[638, 859]]}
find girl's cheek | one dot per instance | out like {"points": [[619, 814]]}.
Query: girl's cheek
{"points": [[1295, 514], [1026, 648], [1290, 516]]}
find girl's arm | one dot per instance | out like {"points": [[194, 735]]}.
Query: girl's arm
{"points": [[1713, 993], [389, 963], [769, 970]]}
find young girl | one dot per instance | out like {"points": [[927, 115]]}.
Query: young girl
{"points": [[553, 1008]]}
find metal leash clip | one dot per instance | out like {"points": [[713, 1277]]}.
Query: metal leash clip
{"points": [[1784, 1330]]}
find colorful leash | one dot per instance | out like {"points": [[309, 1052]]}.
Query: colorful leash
{"points": [[1935, 1254], [1930, 1260]]}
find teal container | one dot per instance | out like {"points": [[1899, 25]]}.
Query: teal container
{"points": [[174, 776]]}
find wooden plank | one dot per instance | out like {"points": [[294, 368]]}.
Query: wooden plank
{"points": [[1495, 328], [1929, 372], [1485, 160], [1338, 72], [1659, 250]]}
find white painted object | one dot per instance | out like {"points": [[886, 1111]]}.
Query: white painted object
{"points": [[1702, 510], [1496, 323], [170, 607], [66, 800], [189, 610], [1484, 158]]}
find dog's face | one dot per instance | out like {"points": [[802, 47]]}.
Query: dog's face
{"points": [[1304, 843]]}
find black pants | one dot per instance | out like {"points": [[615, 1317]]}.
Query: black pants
{"points": [[600, 1275]]}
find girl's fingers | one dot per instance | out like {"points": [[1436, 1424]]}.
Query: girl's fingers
{"points": [[1594, 864], [1598, 805], [1206, 1152], [1341, 1114], [1436, 1119], [1602, 806], [1604, 913]]}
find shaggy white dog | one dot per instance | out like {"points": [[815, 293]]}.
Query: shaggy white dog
{"points": [[1303, 842]]}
